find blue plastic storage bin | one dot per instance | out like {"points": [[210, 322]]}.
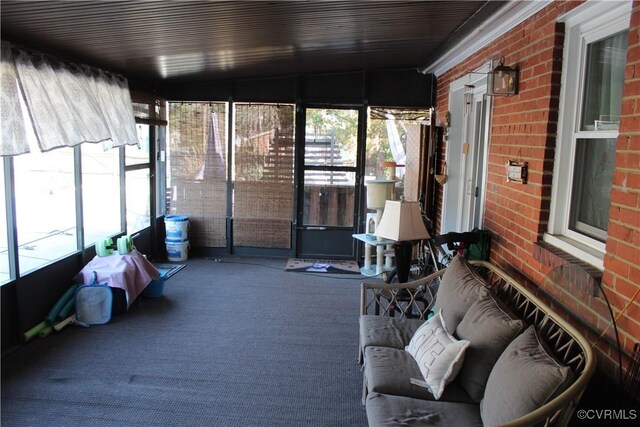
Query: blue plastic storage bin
{"points": [[155, 288]]}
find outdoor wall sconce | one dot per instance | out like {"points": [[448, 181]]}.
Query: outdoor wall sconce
{"points": [[502, 80]]}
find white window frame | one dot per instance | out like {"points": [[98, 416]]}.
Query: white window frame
{"points": [[587, 23]]}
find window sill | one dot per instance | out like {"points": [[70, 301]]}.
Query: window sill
{"points": [[557, 250]]}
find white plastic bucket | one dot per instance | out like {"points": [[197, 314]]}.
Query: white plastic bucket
{"points": [[177, 227], [177, 250]]}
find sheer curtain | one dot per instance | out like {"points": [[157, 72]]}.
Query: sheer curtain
{"points": [[68, 104], [115, 100], [14, 135]]}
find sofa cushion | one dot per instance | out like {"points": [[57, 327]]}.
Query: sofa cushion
{"points": [[387, 410], [394, 371], [439, 354], [460, 288], [524, 378], [489, 326], [383, 331]]}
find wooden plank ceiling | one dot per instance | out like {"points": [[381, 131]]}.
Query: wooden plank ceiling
{"points": [[204, 40]]}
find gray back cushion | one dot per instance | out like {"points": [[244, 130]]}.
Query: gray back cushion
{"points": [[395, 332], [460, 288], [489, 326], [524, 378]]}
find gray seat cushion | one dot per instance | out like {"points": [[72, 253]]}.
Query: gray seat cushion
{"points": [[385, 331], [388, 410], [489, 326], [460, 288], [525, 377], [390, 371]]}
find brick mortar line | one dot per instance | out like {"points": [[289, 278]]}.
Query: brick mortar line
{"points": [[627, 170], [520, 215], [626, 243], [628, 152], [588, 308], [623, 261], [627, 208], [545, 135], [625, 301], [618, 240], [519, 146], [620, 205], [626, 279], [631, 320], [515, 113], [546, 49], [521, 157], [514, 187], [624, 224], [544, 97], [536, 172]]}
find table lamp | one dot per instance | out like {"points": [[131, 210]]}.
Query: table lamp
{"points": [[402, 221], [378, 192]]}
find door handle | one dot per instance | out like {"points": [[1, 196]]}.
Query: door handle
{"points": [[315, 228]]}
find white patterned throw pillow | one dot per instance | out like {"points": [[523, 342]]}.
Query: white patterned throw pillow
{"points": [[438, 354]]}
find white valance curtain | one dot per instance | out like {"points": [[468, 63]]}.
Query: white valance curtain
{"points": [[14, 135], [67, 104]]}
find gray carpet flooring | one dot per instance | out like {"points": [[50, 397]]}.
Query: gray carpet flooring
{"points": [[234, 343]]}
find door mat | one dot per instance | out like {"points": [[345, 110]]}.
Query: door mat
{"points": [[307, 265], [168, 270]]}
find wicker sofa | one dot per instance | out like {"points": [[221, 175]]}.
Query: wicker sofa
{"points": [[490, 353]]}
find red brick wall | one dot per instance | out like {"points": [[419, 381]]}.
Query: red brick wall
{"points": [[622, 260], [524, 127]]}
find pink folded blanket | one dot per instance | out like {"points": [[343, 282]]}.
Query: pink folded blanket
{"points": [[131, 272]]}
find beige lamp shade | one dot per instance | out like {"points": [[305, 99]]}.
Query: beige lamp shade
{"points": [[402, 221], [378, 192]]}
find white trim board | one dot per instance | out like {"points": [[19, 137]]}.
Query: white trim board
{"points": [[454, 190], [497, 25]]}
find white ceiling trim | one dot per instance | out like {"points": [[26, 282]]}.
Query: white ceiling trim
{"points": [[497, 25]]}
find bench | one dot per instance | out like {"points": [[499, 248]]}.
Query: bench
{"points": [[522, 363]]}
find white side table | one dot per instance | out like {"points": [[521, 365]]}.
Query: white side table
{"points": [[370, 241]]}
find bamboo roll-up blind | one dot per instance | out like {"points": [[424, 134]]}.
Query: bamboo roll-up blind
{"points": [[263, 175], [197, 169]]}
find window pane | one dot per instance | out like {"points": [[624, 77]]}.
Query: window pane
{"points": [[592, 180], [606, 60], [138, 200], [138, 154], [263, 175], [197, 170], [141, 110], [331, 137], [329, 198], [161, 171], [5, 273], [100, 192], [393, 148], [45, 207]]}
